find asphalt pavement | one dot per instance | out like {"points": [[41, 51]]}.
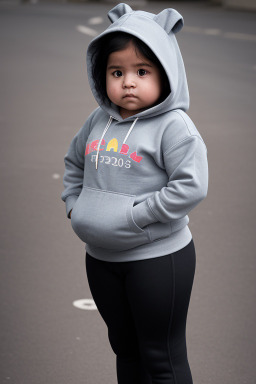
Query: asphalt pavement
{"points": [[44, 100]]}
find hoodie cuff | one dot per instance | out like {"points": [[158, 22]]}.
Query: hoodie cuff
{"points": [[142, 215], [70, 202]]}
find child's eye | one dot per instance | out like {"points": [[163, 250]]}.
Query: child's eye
{"points": [[117, 74], [142, 72]]}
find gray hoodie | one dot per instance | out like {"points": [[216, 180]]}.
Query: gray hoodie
{"points": [[131, 182]]}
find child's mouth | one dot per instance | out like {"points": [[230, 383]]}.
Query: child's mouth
{"points": [[129, 95]]}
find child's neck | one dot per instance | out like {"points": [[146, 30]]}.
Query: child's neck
{"points": [[126, 113]]}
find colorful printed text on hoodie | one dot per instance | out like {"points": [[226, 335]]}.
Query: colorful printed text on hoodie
{"points": [[131, 182]]}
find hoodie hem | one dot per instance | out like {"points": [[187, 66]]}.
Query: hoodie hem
{"points": [[163, 247]]}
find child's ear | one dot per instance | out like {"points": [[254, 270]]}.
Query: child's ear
{"points": [[170, 20], [118, 11]]}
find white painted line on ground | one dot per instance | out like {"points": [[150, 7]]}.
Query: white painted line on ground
{"points": [[56, 176], [212, 32], [86, 30], [192, 29], [96, 20], [85, 304], [240, 36], [219, 32]]}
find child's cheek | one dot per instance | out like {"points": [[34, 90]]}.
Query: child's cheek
{"points": [[109, 85], [114, 92]]}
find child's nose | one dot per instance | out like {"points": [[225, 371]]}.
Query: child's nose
{"points": [[129, 81]]}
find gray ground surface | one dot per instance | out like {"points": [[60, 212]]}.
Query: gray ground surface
{"points": [[45, 99]]}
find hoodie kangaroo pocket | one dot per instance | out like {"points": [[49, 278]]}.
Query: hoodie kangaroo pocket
{"points": [[159, 231], [104, 219]]}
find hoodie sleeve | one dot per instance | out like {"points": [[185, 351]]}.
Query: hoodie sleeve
{"points": [[74, 167], [187, 169]]}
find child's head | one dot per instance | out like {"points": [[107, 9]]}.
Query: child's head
{"points": [[126, 71]]}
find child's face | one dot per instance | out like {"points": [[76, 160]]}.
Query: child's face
{"points": [[132, 81]]}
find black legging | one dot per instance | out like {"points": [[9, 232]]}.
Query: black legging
{"points": [[144, 304]]}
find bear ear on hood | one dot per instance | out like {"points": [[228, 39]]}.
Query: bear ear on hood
{"points": [[170, 20], [118, 11]]}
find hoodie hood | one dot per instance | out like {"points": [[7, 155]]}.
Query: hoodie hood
{"points": [[158, 33]]}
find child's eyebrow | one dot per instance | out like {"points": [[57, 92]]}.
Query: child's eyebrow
{"points": [[135, 65], [114, 67], [142, 64]]}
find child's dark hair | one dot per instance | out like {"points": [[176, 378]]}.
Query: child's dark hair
{"points": [[114, 42]]}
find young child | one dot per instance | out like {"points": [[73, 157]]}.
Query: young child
{"points": [[133, 172]]}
